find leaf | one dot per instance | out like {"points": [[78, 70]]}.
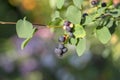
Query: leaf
{"points": [[88, 19], [77, 3], [24, 43], [79, 31], [73, 14], [56, 22], [80, 48], [74, 41], [101, 10], [115, 13], [103, 35], [56, 15], [110, 23], [60, 3], [24, 28]]}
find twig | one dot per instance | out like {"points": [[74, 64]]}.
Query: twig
{"points": [[38, 26], [1, 22], [35, 25]]}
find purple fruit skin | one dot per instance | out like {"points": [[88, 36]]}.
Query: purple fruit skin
{"points": [[94, 2], [61, 39], [71, 35], [58, 51], [67, 23], [64, 50], [68, 29], [61, 46]]}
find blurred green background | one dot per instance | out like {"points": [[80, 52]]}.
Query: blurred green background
{"points": [[38, 60]]}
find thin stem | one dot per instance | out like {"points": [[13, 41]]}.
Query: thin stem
{"points": [[35, 25], [2, 22], [38, 26]]}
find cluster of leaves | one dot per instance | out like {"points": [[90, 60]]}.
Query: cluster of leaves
{"points": [[104, 19]]}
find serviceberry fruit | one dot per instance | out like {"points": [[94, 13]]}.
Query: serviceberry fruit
{"points": [[68, 29], [58, 51], [84, 15], [64, 50], [67, 23], [103, 4], [71, 35], [61, 39], [61, 46], [94, 2]]}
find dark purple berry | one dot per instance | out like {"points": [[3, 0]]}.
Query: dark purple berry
{"points": [[71, 35], [61, 46], [67, 23], [61, 39], [58, 51], [103, 4], [68, 29], [94, 2], [85, 14], [64, 50]]}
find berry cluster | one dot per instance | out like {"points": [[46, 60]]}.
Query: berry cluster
{"points": [[61, 49], [68, 26]]}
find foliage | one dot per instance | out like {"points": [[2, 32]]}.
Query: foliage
{"points": [[104, 17]]}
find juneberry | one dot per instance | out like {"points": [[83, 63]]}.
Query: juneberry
{"points": [[71, 35], [94, 2], [67, 23], [103, 4], [64, 50], [61, 39], [58, 51], [61, 46], [68, 29]]}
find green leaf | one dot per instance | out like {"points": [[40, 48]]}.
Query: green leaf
{"points": [[56, 22], [78, 3], [115, 13], [80, 48], [74, 41], [110, 23], [79, 31], [88, 19], [73, 14], [24, 43], [101, 10], [56, 15], [60, 3], [103, 35], [24, 28]]}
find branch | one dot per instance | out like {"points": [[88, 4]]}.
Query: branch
{"points": [[1, 22], [35, 25]]}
